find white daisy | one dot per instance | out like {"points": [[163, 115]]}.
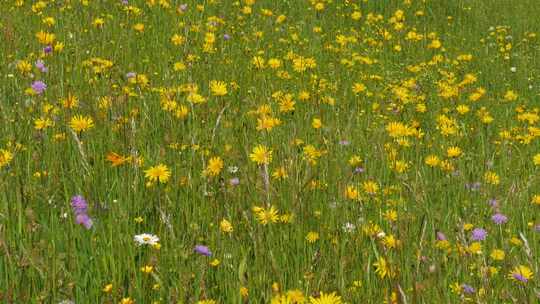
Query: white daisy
{"points": [[146, 239]]}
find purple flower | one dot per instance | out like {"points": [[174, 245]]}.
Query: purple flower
{"points": [[479, 234], [80, 207], [537, 228], [493, 203], [47, 49], [234, 181], [131, 75], [125, 2], [203, 250], [344, 142], [441, 236], [358, 170], [79, 204], [499, 218], [41, 66], [84, 219], [39, 86], [226, 36], [520, 277], [468, 289]]}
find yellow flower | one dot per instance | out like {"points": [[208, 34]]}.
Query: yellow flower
{"points": [[535, 199], [244, 292], [453, 152], [316, 123], [329, 298], [492, 178], [218, 88], [42, 123], [261, 155], [536, 159], [226, 226], [127, 300], [280, 173], [147, 269], [108, 288], [215, 165], [159, 173], [351, 192], [80, 123], [265, 216], [312, 237], [370, 187], [432, 160], [139, 27], [497, 255], [382, 269]]}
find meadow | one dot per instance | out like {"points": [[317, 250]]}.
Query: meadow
{"points": [[265, 151]]}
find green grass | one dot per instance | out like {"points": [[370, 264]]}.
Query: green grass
{"points": [[46, 257]]}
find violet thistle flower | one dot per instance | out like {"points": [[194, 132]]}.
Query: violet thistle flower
{"points": [[478, 234], [441, 236], [468, 289], [80, 207], [48, 49], [203, 250], [84, 219], [79, 204], [499, 218], [39, 87], [41, 66]]}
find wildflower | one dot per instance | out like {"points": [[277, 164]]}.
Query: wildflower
{"points": [[312, 237], [203, 250], [497, 255], [453, 152], [478, 234], [80, 207], [521, 274], [116, 159], [536, 159], [80, 123], [146, 239], [39, 87], [5, 157], [159, 173], [499, 218], [467, 289], [147, 269], [329, 298], [261, 155], [226, 226], [107, 288], [265, 216], [127, 300], [382, 268], [218, 88], [235, 181], [215, 165], [41, 66]]}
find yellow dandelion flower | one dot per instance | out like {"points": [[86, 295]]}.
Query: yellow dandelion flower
{"points": [[261, 155], [81, 123], [157, 173], [218, 88]]}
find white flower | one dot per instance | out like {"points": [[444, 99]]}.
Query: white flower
{"points": [[146, 239], [233, 169], [349, 227]]}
